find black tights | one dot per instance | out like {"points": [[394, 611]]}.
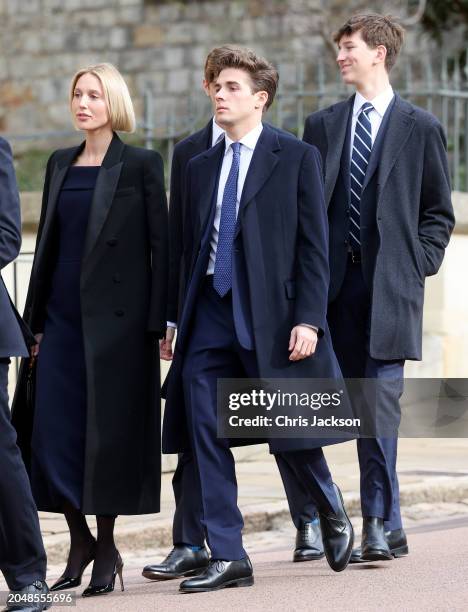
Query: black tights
{"points": [[83, 546]]}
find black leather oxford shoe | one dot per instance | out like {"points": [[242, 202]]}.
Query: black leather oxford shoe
{"points": [[37, 592], [397, 543], [219, 575], [181, 561], [337, 536], [309, 545], [374, 545]]}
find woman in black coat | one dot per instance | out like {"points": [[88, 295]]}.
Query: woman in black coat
{"points": [[96, 304]]}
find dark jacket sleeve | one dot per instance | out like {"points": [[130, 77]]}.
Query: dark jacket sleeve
{"points": [[312, 268], [175, 236], [10, 215], [436, 219], [156, 206]]}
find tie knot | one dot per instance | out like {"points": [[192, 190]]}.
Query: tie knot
{"points": [[236, 147], [366, 107]]}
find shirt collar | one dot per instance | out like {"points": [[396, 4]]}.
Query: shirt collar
{"points": [[249, 140], [217, 133], [380, 102]]}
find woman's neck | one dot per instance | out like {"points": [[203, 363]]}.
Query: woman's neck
{"points": [[96, 145]]}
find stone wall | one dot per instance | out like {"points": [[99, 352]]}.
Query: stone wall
{"points": [[157, 45]]}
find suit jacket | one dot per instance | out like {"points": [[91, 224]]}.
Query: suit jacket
{"points": [[282, 247], [406, 237], [123, 289], [14, 334]]}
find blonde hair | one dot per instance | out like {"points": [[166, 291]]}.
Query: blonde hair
{"points": [[116, 94]]}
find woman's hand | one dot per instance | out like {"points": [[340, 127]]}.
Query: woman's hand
{"points": [[35, 347]]}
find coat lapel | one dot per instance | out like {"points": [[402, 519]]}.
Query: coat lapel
{"points": [[399, 128], [335, 125], [59, 172], [103, 195], [262, 164], [207, 178]]}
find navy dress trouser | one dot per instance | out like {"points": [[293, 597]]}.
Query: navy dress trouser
{"points": [[187, 527], [22, 555], [349, 322], [214, 352]]}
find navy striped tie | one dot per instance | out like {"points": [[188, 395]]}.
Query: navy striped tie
{"points": [[362, 147], [222, 279]]}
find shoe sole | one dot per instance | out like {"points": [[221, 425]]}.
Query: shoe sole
{"points": [[377, 555], [401, 551], [308, 558], [351, 543], [397, 553], [159, 577], [238, 582]]}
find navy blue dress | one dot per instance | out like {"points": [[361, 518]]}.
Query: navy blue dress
{"points": [[59, 431]]}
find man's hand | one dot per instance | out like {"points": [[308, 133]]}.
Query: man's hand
{"points": [[34, 350], [165, 345], [302, 343]]}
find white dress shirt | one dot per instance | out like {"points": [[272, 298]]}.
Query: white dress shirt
{"points": [[248, 144], [380, 104]]}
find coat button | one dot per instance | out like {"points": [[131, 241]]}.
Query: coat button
{"points": [[119, 312], [112, 241], [346, 241], [116, 278]]}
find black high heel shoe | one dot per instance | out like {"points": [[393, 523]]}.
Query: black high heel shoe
{"points": [[92, 590], [65, 582]]}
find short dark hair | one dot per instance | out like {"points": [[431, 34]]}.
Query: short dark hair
{"points": [[262, 73], [375, 30]]}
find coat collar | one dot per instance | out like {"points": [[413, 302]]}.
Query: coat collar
{"points": [[113, 154], [264, 159], [398, 129], [106, 184]]}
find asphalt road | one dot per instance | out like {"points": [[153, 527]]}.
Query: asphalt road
{"points": [[434, 577]]}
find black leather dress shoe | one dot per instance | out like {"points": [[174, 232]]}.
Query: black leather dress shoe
{"points": [[219, 575], [337, 536], [309, 545], [37, 591], [181, 561], [374, 545], [397, 543]]}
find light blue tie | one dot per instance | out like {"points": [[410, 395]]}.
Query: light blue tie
{"points": [[362, 147], [222, 280]]}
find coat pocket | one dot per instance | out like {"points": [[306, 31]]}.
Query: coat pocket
{"points": [[290, 287], [127, 191]]}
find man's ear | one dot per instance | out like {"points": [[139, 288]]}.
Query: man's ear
{"points": [[261, 98], [206, 88], [381, 53]]}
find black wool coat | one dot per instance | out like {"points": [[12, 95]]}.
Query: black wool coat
{"points": [[123, 305]]}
